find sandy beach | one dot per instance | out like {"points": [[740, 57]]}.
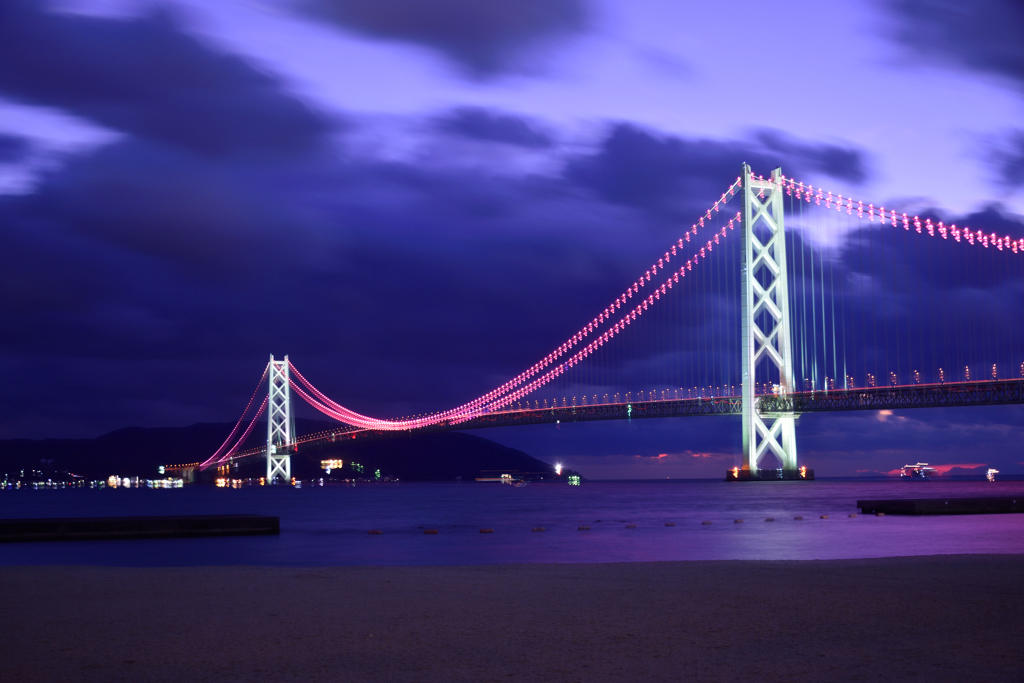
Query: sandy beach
{"points": [[939, 618]]}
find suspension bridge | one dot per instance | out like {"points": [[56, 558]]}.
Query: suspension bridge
{"points": [[781, 299]]}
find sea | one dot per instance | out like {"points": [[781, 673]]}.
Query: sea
{"points": [[629, 521]]}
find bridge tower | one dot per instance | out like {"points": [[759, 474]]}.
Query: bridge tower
{"points": [[280, 422], [765, 327]]}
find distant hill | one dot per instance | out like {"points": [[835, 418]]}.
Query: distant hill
{"points": [[139, 451]]}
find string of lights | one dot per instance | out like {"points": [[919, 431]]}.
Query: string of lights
{"points": [[809, 194]]}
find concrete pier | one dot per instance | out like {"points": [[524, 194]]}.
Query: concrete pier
{"points": [[943, 506], [105, 528]]}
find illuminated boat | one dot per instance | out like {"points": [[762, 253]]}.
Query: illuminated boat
{"points": [[920, 471]]}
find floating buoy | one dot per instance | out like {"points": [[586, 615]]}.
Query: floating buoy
{"points": [[631, 526], [375, 532], [583, 528], [487, 531], [430, 531], [670, 523], [879, 514], [705, 522], [538, 528], [824, 516], [853, 514], [799, 517], [737, 521]]}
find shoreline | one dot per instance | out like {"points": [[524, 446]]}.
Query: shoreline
{"points": [[943, 617]]}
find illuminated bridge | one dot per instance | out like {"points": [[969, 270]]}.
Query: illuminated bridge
{"points": [[781, 299]]}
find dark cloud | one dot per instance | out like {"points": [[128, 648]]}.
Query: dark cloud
{"points": [[492, 126], [427, 284], [844, 163], [645, 169], [149, 78], [1008, 159], [640, 168], [984, 35], [165, 203], [484, 38], [13, 148]]}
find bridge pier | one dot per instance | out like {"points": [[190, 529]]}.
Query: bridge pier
{"points": [[280, 423], [767, 350]]}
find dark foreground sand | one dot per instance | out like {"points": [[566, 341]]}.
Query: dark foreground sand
{"points": [[944, 618]]}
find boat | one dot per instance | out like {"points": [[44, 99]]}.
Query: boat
{"points": [[991, 474], [920, 471]]}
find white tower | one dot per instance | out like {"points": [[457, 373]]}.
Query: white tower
{"points": [[280, 423], [766, 330]]}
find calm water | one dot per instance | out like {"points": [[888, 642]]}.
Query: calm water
{"points": [[328, 525]]}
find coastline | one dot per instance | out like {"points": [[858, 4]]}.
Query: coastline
{"points": [[944, 617]]}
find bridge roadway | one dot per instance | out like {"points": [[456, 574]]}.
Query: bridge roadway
{"points": [[689, 407], [979, 393]]}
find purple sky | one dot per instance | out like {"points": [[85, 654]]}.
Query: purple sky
{"points": [[390, 191]]}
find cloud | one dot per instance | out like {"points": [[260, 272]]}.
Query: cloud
{"points": [[483, 38], [147, 77], [645, 169], [844, 163], [687, 456], [982, 35], [162, 202], [491, 126], [14, 148], [961, 469], [1007, 157], [664, 62], [441, 280]]}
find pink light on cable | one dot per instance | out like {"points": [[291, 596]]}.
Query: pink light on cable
{"points": [[792, 187], [217, 454]]}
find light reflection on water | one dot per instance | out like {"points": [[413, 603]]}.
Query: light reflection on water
{"points": [[328, 526]]}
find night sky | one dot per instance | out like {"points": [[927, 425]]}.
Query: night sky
{"points": [[418, 200]]}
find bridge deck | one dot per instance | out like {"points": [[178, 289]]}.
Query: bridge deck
{"points": [[988, 392], [690, 407], [981, 393]]}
